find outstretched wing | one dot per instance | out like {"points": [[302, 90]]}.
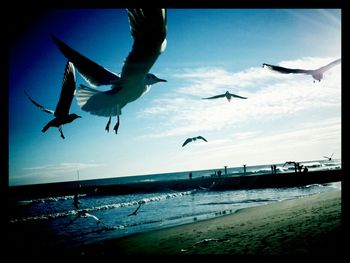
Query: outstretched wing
{"points": [[38, 105], [215, 97], [286, 70], [330, 65], [137, 209], [288, 163], [200, 137], [236, 96], [92, 72], [93, 217], [148, 29], [67, 92], [187, 141]]}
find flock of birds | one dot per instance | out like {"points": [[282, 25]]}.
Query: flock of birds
{"points": [[83, 213], [148, 28]]}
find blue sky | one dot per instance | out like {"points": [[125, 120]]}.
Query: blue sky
{"points": [[209, 51]]}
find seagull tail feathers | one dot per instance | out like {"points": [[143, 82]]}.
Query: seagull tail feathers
{"points": [[97, 102], [84, 93]]}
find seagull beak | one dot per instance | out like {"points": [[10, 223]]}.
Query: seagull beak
{"points": [[79, 116], [162, 80]]}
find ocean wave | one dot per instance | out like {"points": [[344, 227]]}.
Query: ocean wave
{"points": [[49, 199], [314, 185], [43, 217], [157, 198], [255, 200], [336, 185]]}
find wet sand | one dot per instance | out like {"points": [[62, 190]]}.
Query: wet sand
{"points": [[305, 226]]}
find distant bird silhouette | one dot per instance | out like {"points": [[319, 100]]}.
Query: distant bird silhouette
{"points": [[135, 212], [329, 158], [297, 166], [227, 94], [188, 140], [61, 112], [317, 74], [290, 162], [148, 29], [207, 188]]}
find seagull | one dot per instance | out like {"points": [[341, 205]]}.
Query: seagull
{"points": [[290, 162], [84, 213], [193, 139], [317, 74], [227, 94], [61, 112], [135, 212], [207, 188], [329, 158], [148, 29], [297, 165]]}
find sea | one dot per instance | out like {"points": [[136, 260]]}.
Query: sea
{"points": [[54, 222]]}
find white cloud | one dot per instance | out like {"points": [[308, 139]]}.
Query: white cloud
{"points": [[325, 19], [336, 21], [270, 95], [309, 141], [307, 63], [52, 170], [245, 135]]}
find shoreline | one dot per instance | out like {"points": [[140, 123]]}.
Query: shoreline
{"points": [[251, 181], [305, 226]]}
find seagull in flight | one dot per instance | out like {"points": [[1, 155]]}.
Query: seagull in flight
{"points": [[135, 212], [290, 162], [148, 29], [317, 74], [193, 139], [61, 112], [329, 158], [84, 213], [208, 188], [226, 95]]}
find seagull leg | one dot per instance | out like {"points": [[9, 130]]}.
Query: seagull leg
{"points": [[60, 129], [116, 126], [108, 123]]}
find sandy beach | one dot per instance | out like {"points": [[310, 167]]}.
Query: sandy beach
{"points": [[306, 226]]}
